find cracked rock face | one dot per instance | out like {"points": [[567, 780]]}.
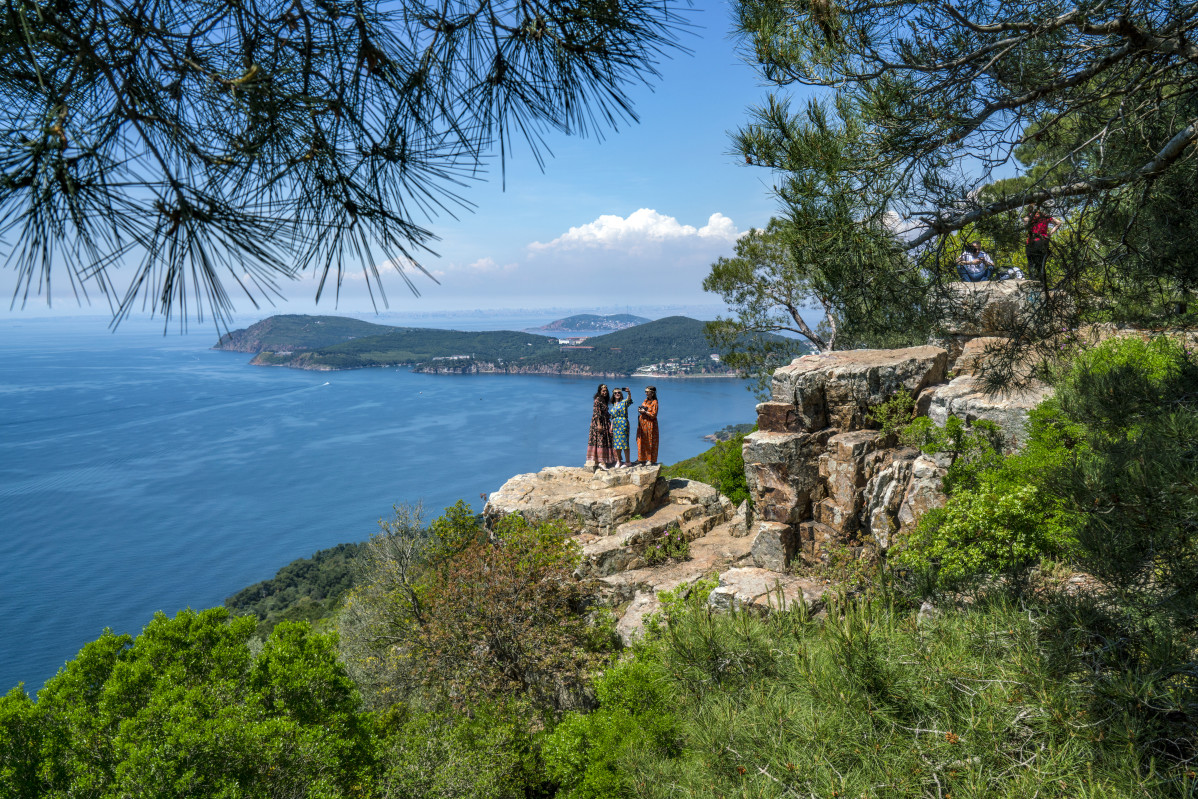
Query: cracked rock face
{"points": [[822, 481], [837, 389]]}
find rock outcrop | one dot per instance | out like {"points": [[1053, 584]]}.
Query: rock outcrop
{"points": [[619, 516], [823, 481]]}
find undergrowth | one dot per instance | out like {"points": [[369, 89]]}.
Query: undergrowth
{"points": [[870, 702]]}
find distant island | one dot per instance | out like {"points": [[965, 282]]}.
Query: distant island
{"points": [[671, 347], [590, 324]]}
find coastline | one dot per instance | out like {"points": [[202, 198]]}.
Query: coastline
{"points": [[491, 369]]}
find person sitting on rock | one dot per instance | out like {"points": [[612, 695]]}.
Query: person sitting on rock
{"points": [[974, 265]]}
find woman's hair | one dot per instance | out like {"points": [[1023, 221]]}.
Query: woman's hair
{"points": [[601, 392], [652, 391]]}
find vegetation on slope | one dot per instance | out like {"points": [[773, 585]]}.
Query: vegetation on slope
{"points": [[474, 666], [722, 466], [297, 333], [307, 589], [422, 345]]}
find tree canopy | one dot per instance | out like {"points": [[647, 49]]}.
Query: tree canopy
{"points": [[242, 143], [936, 120]]}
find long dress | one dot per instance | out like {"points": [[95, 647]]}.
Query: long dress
{"points": [[599, 445], [619, 423], [646, 432]]}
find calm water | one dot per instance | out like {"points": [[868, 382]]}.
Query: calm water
{"points": [[141, 473]]}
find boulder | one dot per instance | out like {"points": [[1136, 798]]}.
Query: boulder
{"points": [[761, 590], [774, 545], [882, 498], [778, 417], [584, 500], [837, 389], [990, 308], [925, 490], [967, 398]]}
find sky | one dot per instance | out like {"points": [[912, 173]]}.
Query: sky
{"points": [[628, 221]]}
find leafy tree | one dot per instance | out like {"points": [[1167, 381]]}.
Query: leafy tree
{"points": [[243, 143], [830, 258], [462, 614], [923, 104], [187, 709]]}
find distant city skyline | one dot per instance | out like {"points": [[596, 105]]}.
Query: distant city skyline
{"points": [[633, 219]]}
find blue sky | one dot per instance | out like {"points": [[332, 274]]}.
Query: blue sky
{"points": [[634, 219]]}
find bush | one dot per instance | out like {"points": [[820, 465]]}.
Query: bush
{"points": [[1136, 483], [672, 546], [1001, 517], [463, 615], [722, 466], [486, 754], [584, 752]]}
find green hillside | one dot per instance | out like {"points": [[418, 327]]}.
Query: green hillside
{"points": [[422, 345], [674, 345], [586, 322], [675, 338], [297, 332]]}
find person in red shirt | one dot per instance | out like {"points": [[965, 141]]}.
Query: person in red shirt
{"points": [[1040, 227]]}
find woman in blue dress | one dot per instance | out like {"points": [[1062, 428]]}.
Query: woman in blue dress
{"points": [[619, 425]]}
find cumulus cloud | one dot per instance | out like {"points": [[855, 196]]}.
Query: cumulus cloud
{"points": [[640, 229]]}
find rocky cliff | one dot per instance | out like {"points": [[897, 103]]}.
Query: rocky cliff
{"points": [[823, 479]]}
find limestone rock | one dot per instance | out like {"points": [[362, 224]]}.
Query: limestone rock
{"points": [[631, 625], [925, 491], [837, 389], [762, 590], [586, 501], [741, 519], [778, 417], [882, 498], [989, 308], [965, 397], [774, 545], [975, 353]]}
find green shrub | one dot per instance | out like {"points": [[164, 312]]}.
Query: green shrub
{"points": [[461, 614], [1001, 517], [1136, 482], [722, 466], [189, 709], [583, 753], [486, 754]]}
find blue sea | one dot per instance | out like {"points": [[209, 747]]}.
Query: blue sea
{"points": [[141, 473]]}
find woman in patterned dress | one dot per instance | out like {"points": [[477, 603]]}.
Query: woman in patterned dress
{"points": [[646, 428], [600, 451], [621, 399]]}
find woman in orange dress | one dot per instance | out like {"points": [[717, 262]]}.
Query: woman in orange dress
{"points": [[646, 428]]}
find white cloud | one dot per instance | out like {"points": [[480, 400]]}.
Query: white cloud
{"points": [[640, 229]]}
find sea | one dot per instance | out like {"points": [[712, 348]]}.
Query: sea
{"points": [[143, 472]]}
